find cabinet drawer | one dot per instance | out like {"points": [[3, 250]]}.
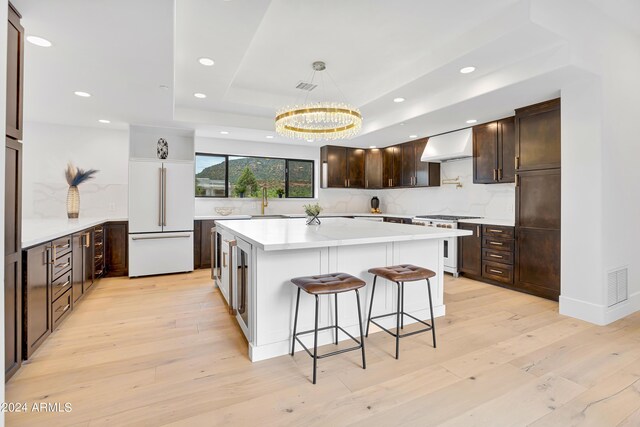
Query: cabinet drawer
{"points": [[61, 265], [61, 246], [61, 308], [498, 231], [489, 242], [61, 285], [497, 256], [497, 271]]}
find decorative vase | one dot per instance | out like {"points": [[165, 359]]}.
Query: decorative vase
{"points": [[375, 203], [163, 149], [73, 202], [313, 220]]}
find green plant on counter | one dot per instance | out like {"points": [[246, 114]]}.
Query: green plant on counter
{"points": [[280, 192], [312, 210]]}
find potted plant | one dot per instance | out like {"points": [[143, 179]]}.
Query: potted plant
{"points": [[280, 192], [312, 212], [75, 176]]}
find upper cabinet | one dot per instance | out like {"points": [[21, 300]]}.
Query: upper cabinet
{"points": [[538, 136], [390, 167], [493, 152], [342, 167], [15, 72]]}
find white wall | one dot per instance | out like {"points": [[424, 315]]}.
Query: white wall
{"points": [[496, 201], [47, 150]]}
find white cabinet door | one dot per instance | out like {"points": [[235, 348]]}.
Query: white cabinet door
{"points": [[179, 198], [160, 253], [145, 197]]}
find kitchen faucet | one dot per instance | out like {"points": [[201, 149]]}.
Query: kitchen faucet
{"points": [[265, 201]]}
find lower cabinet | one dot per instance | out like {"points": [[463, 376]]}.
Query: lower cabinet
{"points": [[83, 263], [470, 250], [116, 255], [36, 298], [202, 243]]}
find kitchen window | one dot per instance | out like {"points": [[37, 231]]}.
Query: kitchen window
{"points": [[222, 175]]}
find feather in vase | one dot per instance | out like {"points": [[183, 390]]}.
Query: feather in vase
{"points": [[76, 176]]}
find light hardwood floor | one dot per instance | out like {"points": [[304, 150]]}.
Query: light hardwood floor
{"points": [[163, 351]]}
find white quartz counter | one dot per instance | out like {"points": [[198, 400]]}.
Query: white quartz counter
{"points": [[39, 230], [221, 217], [284, 234], [491, 221]]}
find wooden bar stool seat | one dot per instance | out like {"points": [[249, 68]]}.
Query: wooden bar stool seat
{"points": [[401, 274], [327, 284]]}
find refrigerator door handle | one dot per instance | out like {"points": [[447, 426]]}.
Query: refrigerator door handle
{"points": [[164, 196], [160, 199]]}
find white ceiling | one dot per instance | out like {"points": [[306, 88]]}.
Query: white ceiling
{"points": [[123, 51]]}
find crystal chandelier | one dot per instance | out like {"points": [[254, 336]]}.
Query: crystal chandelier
{"points": [[319, 120]]}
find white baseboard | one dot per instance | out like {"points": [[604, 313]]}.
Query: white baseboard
{"points": [[599, 314]]}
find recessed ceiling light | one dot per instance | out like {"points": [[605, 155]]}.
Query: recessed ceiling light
{"points": [[467, 70], [269, 136], [413, 136], [199, 95], [38, 41], [224, 132], [472, 121], [398, 100], [372, 146], [105, 121], [206, 61], [82, 94]]}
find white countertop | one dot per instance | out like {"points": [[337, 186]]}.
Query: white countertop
{"points": [[219, 217], [284, 234], [40, 230], [491, 221]]}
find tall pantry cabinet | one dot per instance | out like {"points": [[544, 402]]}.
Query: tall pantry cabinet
{"points": [[13, 196]]}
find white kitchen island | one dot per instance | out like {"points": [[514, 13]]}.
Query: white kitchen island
{"points": [[260, 257]]}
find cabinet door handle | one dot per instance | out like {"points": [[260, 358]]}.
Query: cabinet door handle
{"points": [[517, 162], [366, 183], [495, 174], [232, 244], [517, 180], [477, 231], [500, 174], [496, 271], [160, 198], [494, 231], [164, 196], [224, 259], [496, 243], [495, 256], [65, 246], [65, 284], [60, 309], [65, 265]]}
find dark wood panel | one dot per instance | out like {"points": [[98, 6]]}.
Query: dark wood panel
{"points": [[116, 259], [98, 245], [538, 136], [538, 261], [538, 199], [498, 231], [497, 271], [373, 168], [15, 75], [78, 266], [61, 265], [356, 168], [485, 151], [491, 242], [505, 257], [37, 301], [61, 308], [334, 166], [506, 150], [391, 166], [61, 284], [205, 243], [407, 164], [470, 250]]}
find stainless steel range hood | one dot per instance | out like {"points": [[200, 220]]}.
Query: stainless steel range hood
{"points": [[449, 146]]}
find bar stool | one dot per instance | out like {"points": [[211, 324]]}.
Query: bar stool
{"points": [[327, 284], [401, 274]]}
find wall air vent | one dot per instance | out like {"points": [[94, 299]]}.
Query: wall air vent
{"points": [[617, 286], [306, 86]]}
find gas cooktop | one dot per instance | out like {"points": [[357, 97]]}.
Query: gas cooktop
{"points": [[447, 217]]}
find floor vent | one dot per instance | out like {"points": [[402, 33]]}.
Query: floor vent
{"points": [[617, 286], [306, 86]]}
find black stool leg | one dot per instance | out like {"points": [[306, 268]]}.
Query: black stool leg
{"points": [[336, 319], [364, 363], [315, 344], [433, 323], [398, 316], [402, 315], [295, 324], [373, 291]]}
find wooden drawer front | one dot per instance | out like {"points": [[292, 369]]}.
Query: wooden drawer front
{"points": [[497, 256], [489, 242], [61, 265], [61, 308], [498, 231], [497, 271], [61, 247], [61, 285]]}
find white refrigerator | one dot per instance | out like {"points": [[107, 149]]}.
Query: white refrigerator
{"points": [[161, 213]]}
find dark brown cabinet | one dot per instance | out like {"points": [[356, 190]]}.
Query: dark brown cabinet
{"points": [[408, 164], [83, 263], [470, 250], [202, 243], [116, 254], [13, 196], [37, 298], [342, 167], [427, 174], [355, 167], [391, 166], [373, 168], [494, 152], [99, 252], [538, 195]]}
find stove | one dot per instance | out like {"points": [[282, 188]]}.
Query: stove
{"points": [[450, 247]]}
